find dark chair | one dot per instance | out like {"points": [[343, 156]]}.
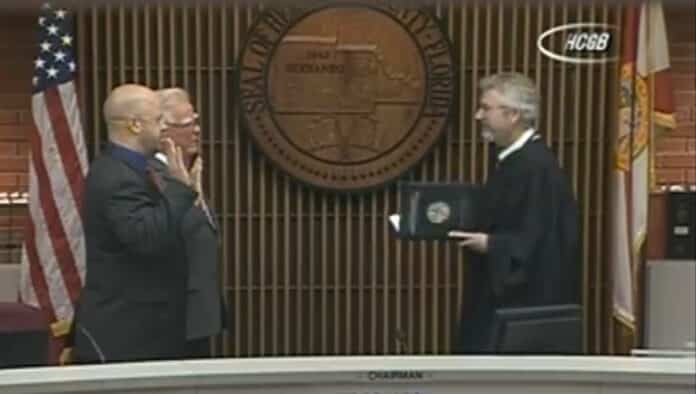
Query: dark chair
{"points": [[549, 329], [24, 336]]}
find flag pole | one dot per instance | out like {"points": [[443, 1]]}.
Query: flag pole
{"points": [[617, 119], [652, 182], [642, 261]]}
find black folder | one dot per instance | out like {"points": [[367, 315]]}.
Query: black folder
{"points": [[430, 210]]}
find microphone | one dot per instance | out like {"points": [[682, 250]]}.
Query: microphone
{"points": [[93, 342]]}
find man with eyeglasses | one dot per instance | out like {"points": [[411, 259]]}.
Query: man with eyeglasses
{"points": [[132, 306], [526, 252], [205, 309]]}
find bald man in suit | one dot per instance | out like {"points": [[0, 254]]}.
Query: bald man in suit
{"points": [[133, 304]]}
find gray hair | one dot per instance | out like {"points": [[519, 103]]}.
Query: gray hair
{"points": [[171, 97], [519, 92]]}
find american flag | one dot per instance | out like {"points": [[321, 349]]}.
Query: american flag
{"points": [[53, 256]]}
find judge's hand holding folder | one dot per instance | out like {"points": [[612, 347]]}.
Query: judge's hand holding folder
{"points": [[432, 210], [478, 242]]}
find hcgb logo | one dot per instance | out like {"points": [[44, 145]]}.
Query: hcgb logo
{"points": [[597, 42], [584, 38]]}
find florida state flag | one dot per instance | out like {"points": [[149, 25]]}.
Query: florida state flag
{"points": [[645, 104]]}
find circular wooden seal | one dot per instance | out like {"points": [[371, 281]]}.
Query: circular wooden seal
{"points": [[346, 96]]}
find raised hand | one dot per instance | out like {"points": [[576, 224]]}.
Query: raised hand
{"points": [[197, 178], [175, 162]]}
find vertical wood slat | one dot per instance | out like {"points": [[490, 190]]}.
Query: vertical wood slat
{"points": [[562, 89], [311, 291], [249, 232], [272, 262], [265, 172], [109, 51], [538, 58], [487, 71], [274, 245], [464, 139], [263, 243], [422, 290], [515, 30], [549, 114], [287, 215], [82, 75], [213, 127], [148, 44], [576, 119], [348, 294], [386, 328], [527, 28], [373, 284], [411, 324], [159, 39], [474, 151], [586, 177], [173, 40], [362, 263], [235, 302], [186, 45], [324, 275], [336, 263], [136, 42], [435, 246], [96, 97], [303, 288], [121, 44], [224, 221], [499, 46], [452, 137]]}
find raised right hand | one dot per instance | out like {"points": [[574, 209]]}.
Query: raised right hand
{"points": [[196, 175], [175, 162]]}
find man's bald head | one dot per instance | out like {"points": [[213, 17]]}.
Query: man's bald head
{"points": [[128, 101], [134, 117]]}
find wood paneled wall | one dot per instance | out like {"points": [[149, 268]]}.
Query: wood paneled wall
{"points": [[311, 272]]}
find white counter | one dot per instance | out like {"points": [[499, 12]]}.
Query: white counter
{"points": [[367, 375]]}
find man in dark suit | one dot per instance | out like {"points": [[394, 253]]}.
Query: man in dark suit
{"points": [[132, 306], [199, 230], [527, 251]]}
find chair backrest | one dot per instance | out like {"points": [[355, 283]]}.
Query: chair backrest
{"points": [[549, 329], [24, 336]]}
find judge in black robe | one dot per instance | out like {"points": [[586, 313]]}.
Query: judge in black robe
{"points": [[526, 253]]}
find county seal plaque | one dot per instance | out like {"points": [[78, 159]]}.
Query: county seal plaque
{"points": [[346, 96]]}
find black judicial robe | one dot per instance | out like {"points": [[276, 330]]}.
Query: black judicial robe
{"points": [[531, 216]]}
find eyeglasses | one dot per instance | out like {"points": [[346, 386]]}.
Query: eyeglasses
{"points": [[193, 121], [486, 108]]}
